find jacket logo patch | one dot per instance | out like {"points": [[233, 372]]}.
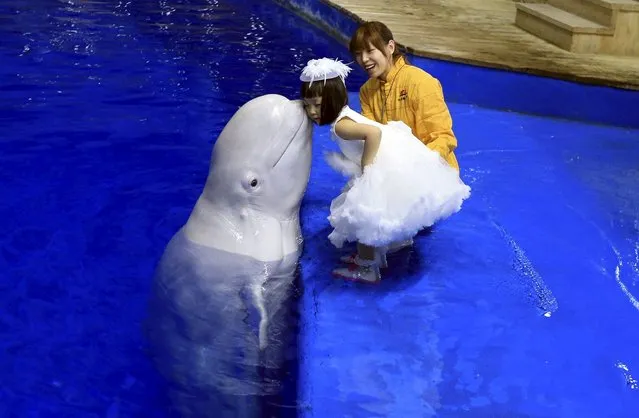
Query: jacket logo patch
{"points": [[403, 95]]}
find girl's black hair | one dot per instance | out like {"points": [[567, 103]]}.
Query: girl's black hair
{"points": [[334, 97]]}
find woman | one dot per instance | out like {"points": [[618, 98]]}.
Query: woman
{"points": [[397, 90]]}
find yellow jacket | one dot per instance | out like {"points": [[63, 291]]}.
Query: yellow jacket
{"points": [[416, 98]]}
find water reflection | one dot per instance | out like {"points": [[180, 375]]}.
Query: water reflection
{"points": [[240, 42]]}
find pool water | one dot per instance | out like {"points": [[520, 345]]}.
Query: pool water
{"points": [[107, 117], [108, 113]]}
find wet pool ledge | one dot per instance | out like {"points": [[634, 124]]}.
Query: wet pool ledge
{"points": [[494, 88]]}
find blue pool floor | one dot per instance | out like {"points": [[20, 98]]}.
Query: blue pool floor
{"points": [[107, 120], [521, 305]]}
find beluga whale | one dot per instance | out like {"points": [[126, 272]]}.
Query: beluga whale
{"points": [[219, 313]]}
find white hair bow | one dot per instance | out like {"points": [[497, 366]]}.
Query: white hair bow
{"points": [[324, 68]]}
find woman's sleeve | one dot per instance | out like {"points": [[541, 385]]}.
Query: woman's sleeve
{"points": [[364, 101], [433, 123]]}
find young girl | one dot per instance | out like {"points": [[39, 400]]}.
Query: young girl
{"points": [[397, 187]]}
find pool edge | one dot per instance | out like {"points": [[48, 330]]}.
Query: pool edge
{"points": [[495, 88]]}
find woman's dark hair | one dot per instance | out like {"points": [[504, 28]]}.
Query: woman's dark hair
{"points": [[376, 34], [333, 93]]}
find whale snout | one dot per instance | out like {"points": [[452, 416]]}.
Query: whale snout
{"points": [[298, 135], [290, 175], [298, 106], [298, 113]]}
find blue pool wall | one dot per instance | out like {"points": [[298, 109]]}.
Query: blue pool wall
{"points": [[495, 88]]}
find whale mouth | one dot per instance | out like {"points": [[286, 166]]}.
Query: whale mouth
{"points": [[304, 124]]}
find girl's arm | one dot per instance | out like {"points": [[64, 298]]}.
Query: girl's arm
{"points": [[371, 135]]}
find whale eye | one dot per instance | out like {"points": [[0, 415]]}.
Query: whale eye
{"points": [[251, 182]]}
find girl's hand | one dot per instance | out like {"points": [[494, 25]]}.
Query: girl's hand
{"points": [[371, 146], [371, 135]]}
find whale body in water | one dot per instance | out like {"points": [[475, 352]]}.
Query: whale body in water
{"points": [[219, 319]]}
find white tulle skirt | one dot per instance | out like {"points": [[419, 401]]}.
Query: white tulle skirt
{"points": [[409, 187]]}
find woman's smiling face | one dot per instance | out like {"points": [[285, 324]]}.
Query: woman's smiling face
{"points": [[375, 62]]}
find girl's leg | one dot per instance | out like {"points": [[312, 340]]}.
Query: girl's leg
{"points": [[365, 252], [399, 245], [368, 254]]}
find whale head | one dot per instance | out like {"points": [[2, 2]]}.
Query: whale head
{"points": [[259, 171], [262, 158]]}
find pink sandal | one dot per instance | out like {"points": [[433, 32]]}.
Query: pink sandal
{"points": [[362, 274], [354, 259]]}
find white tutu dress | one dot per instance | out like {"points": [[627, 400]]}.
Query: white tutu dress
{"points": [[407, 188]]}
